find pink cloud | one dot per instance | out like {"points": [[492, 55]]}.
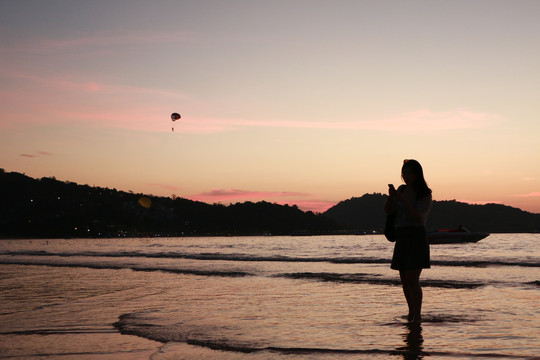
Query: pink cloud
{"points": [[38, 154], [218, 195], [144, 108], [420, 120], [104, 105], [87, 85], [156, 117], [164, 186]]}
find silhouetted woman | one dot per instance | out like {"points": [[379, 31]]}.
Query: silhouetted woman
{"points": [[412, 202]]}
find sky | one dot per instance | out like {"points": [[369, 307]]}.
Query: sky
{"points": [[303, 102]]}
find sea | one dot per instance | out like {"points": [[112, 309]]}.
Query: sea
{"points": [[265, 297]]}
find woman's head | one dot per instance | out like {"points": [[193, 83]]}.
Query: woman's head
{"points": [[413, 175]]}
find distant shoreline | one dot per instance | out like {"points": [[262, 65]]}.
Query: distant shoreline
{"points": [[48, 208], [5, 238]]}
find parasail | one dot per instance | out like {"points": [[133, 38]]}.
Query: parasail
{"points": [[174, 117]]}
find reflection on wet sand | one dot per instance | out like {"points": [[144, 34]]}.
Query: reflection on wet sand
{"points": [[413, 343]]}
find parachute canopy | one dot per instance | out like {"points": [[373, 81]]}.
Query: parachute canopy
{"points": [[174, 117]]}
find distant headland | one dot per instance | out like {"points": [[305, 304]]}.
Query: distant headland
{"points": [[49, 208]]}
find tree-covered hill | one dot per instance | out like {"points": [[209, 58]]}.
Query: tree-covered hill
{"points": [[366, 214], [47, 207]]}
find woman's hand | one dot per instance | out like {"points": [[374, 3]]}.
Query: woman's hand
{"points": [[391, 190], [388, 205], [394, 194]]}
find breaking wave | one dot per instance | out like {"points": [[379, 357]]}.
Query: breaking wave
{"points": [[376, 280], [272, 258], [126, 267], [355, 278]]}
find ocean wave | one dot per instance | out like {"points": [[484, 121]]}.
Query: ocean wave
{"points": [[268, 258], [126, 267], [223, 345], [62, 331], [377, 280], [356, 278]]}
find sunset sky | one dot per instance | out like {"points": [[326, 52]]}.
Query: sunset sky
{"points": [[300, 102]]}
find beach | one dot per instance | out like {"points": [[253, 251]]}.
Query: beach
{"points": [[289, 297]]}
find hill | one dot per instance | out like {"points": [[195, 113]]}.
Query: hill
{"points": [[365, 214], [47, 207]]}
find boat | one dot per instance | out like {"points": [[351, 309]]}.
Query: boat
{"points": [[455, 236]]}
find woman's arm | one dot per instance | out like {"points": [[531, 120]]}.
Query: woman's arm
{"points": [[388, 206]]}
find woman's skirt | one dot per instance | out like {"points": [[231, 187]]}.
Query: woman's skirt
{"points": [[411, 249]]}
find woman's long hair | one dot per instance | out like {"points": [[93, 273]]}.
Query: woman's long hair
{"points": [[420, 186]]}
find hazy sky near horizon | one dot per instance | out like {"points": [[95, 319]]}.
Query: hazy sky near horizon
{"points": [[300, 102]]}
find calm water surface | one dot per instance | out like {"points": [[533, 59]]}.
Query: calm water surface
{"points": [[325, 297]]}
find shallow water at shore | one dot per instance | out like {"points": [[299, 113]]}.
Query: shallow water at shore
{"points": [[323, 297]]}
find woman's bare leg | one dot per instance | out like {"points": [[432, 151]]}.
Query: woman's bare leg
{"points": [[407, 293], [410, 280]]}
